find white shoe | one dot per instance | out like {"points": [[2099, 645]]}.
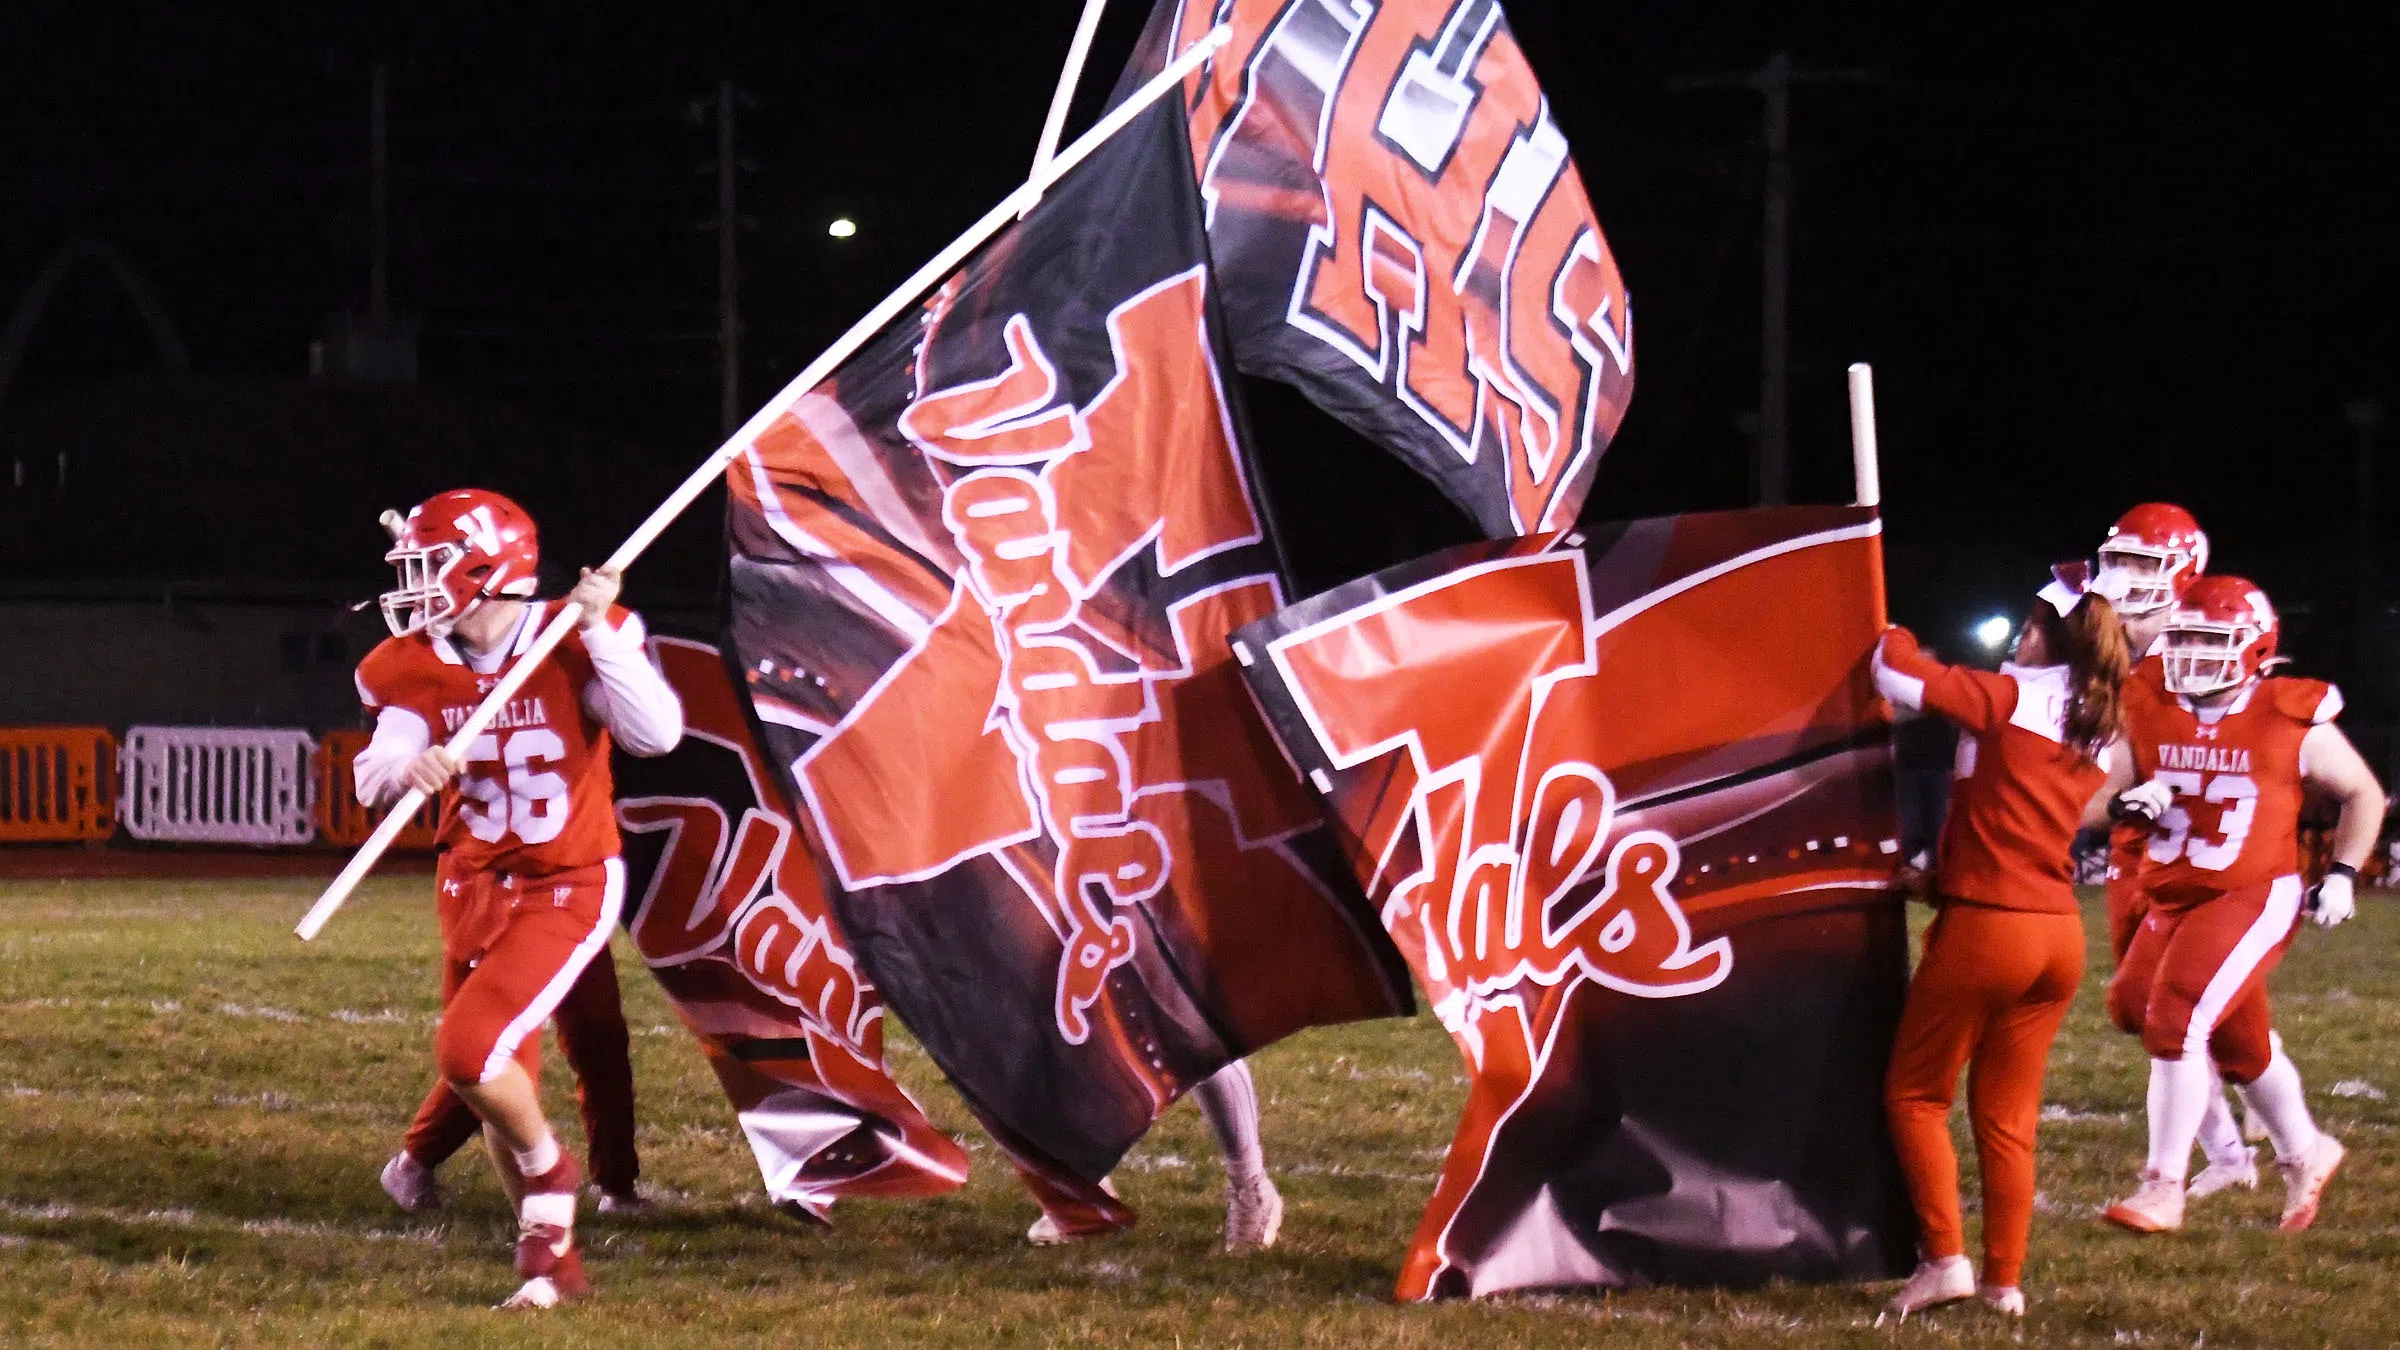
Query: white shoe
{"points": [[1046, 1232], [1253, 1214], [2223, 1177], [411, 1184], [538, 1292], [2304, 1181], [2005, 1299], [2156, 1206], [1935, 1282], [631, 1202]]}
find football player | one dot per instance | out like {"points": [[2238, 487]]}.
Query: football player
{"points": [[592, 1035], [529, 884], [2221, 757], [2151, 556]]}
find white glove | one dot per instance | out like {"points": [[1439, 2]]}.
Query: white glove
{"points": [[2334, 898], [2145, 801]]}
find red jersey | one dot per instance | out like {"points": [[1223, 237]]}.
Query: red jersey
{"points": [[2129, 840], [536, 797], [2021, 790], [2236, 776]]}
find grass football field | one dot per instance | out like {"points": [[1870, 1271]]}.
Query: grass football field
{"points": [[193, 1107]]}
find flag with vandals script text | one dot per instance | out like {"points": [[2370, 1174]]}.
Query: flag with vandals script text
{"points": [[1623, 797], [981, 582]]}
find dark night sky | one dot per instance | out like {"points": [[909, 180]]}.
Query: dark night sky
{"points": [[2095, 256]]}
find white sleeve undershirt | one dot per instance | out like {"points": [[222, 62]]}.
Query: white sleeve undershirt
{"points": [[400, 736], [630, 697]]}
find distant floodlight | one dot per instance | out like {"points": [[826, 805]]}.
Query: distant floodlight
{"points": [[842, 227], [1994, 631]]}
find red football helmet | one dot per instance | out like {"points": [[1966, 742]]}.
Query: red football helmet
{"points": [[454, 551], [2156, 550], [2221, 634]]}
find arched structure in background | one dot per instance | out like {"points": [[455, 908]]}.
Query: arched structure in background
{"points": [[146, 302]]}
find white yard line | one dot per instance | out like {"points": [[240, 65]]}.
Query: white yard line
{"points": [[271, 1102], [55, 1212], [167, 1007]]}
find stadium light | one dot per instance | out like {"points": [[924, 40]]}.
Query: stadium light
{"points": [[1994, 631], [842, 227]]}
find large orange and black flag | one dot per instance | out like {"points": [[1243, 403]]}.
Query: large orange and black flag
{"points": [[1400, 232], [982, 581], [1624, 800]]}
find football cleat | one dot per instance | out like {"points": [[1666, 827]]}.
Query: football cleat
{"points": [[2304, 1181], [806, 1213], [564, 1281], [1047, 1232], [1934, 1283], [2156, 1206], [1253, 1214], [2005, 1299], [628, 1201], [552, 1266], [2223, 1177], [538, 1292], [411, 1184]]}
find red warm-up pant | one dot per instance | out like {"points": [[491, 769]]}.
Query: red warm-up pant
{"points": [[1988, 997]]}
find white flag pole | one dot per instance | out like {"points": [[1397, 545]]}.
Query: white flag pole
{"points": [[1081, 47], [1866, 466], [1863, 463], [681, 499]]}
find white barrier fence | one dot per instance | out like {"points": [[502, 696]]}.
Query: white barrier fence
{"points": [[218, 785]]}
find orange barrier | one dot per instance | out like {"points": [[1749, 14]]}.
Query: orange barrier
{"points": [[57, 784], [340, 819]]}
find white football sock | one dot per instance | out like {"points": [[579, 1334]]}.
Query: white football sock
{"points": [[2220, 1134], [2178, 1098], [1230, 1101], [543, 1156], [555, 1208], [2283, 1105]]}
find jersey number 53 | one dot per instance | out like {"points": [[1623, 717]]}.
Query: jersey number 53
{"points": [[2236, 798]]}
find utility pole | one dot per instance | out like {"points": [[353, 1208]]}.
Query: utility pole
{"points": [[1775, 288], [2366, 417], [379, 200], [729, 278], [1773, 81]]}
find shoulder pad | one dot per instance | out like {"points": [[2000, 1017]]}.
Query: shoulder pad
{"points": [[391, 673], [2309, 701]]}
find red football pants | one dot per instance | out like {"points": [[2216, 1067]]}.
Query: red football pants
{"points": [[1988, 997], [2194, 979], [2241, 1042], [514, 949], [591, 1033]]}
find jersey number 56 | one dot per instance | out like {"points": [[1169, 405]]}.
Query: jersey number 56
{"points": [[521, 798]]}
